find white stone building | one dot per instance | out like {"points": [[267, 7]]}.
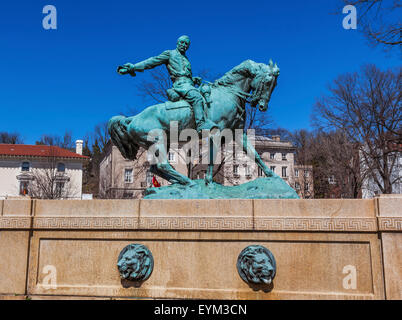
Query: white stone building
{"points": [[24, 167]]}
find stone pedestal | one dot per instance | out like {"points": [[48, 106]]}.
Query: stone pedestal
{"points": [[324, 249]]}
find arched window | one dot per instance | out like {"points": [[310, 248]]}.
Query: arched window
{"points": [[25, 166], [61, 167]]}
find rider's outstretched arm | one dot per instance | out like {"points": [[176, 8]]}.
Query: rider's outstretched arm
{"points": [[152, 62]]}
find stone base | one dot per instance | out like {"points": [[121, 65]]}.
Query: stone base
{"points": [[324, 249], [261, 188]]}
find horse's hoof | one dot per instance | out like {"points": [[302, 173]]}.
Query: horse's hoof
{"points": [[191, 184]]}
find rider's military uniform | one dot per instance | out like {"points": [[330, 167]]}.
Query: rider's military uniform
{"points": [[179, 69]]}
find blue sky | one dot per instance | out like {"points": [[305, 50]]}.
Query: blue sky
{"points": [[57, 80]]}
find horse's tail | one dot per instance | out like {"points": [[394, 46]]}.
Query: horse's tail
{"points": [[117, 127]]}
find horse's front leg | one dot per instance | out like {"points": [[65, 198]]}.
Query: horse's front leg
{"points": [[153, 168], [253, 154], [172, 175], [213, 151], [166, 171]]}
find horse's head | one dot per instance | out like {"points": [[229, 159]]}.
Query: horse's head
{"points": [[263, 84]]}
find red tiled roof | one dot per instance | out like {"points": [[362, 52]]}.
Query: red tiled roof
{"points": [[37, 151]]}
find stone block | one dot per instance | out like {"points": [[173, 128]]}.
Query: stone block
{"points": [[86, 214], [315, 215], [196, 214], [14, 208], [92, 208], [13, 261], [389, 206], [16, 214], [392, 254], [202, 265]]}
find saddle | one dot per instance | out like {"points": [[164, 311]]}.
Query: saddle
{"points": [[173, 96], [171, 105]]}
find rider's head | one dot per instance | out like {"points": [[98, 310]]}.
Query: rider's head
{"points": [[183, 43]]}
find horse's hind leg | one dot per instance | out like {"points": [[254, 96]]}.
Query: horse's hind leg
{"points": [[253, 154]]}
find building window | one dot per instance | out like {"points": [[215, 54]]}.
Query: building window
{"points": [[297, 186], [331, 179], [260, 172], [296, 173], [272, 168], [305, 173], [248, 173], [128, 176], [272, 156], [24, 188], [149, 178], [25, 166], [236, 169], [59, 189], [306, 186], [284, 172], [61, 167], [284, 156], [171, 156]]}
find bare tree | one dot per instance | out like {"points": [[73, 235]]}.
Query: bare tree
{"points": [[65, 142], [94, 147], [342, 167], [155, 87], [10, 138], [257, 120], [101, 135], [50, 181], [379, 20], [302, 140], [366, 108]]}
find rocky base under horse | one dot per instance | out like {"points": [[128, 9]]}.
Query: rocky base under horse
{"points": [[261, 188]]}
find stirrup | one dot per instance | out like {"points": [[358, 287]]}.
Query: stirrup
{"points": [[206, 125]]}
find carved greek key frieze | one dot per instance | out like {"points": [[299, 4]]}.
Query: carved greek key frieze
{"points": [[315, 224], [207, 223], [85, 223], [15, 222], [390, 223], [197, 223]]}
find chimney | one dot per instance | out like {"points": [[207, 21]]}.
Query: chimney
{"points": [[276, 138], [78, 146]]}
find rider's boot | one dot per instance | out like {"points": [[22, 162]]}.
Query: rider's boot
{"points": [[200, 121]]}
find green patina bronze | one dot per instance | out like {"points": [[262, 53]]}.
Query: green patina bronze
{"points": [[219, 105], [261, 188], [135, 263], [256, 265]]}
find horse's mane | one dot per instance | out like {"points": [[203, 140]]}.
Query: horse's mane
{"points": [[246, 68]]}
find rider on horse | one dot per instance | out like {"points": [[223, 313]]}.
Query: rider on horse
{"points": [[179, 69]]}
